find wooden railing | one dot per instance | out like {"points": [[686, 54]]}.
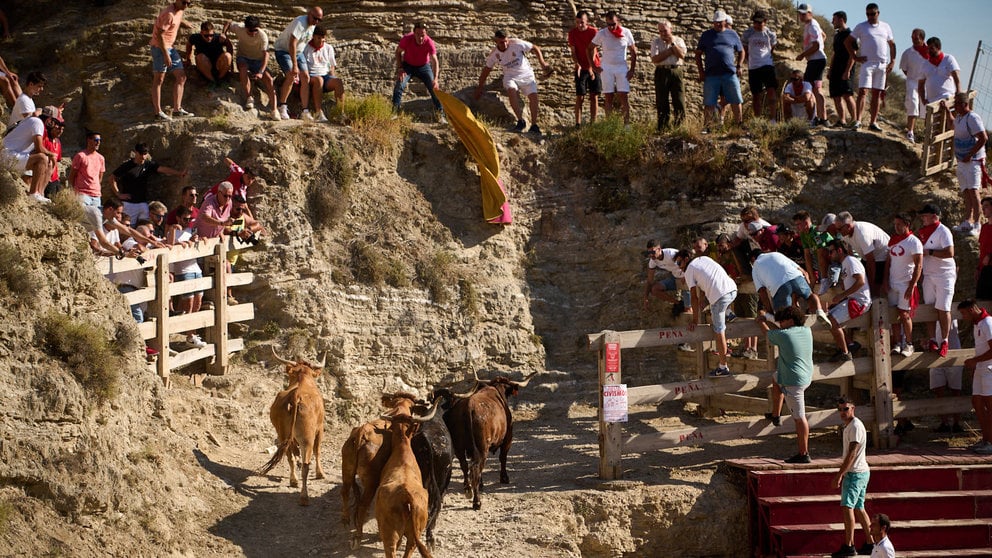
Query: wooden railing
{"points": [[873, 373], [159, 325], [938, 138]]}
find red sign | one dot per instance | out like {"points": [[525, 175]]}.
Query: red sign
{"points": [[612, 358]]}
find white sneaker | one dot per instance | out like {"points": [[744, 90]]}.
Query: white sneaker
{"points": [[249, 104], [182, 112], [196, 341], [162, 116], [975, 231], [306, 117], [823, 317], [284, 112], [965, 226], [321, 117], [908, 350], [910, 137], [40, 198], [276, 115]]}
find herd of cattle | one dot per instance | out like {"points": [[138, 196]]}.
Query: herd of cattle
{"points": [[402, 460]]}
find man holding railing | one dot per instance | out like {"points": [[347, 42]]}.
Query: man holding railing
{"points": [[703, 275], [853, 302], [793, 371], [981, 364]]}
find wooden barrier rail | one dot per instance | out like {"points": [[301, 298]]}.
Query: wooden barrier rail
{"points": [[159, 324], [873, 373]]}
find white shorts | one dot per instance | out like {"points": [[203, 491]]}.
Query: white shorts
{"points": [[842, 312], [914, 104], [981, 384], [872, 76], [949, 376], [615, 79], [938, 291], [525, 86], [970, 174], [18, 161], [896, 298]]}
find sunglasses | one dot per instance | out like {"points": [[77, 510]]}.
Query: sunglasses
{"points": [[844, 409]]}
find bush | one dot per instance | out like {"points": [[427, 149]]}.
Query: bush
{"points": [[16, 277], [11, 187], [436, 273], [469, 301], [373, 121], [6, 512], [66, 206], [607, 140], [87, 352], [368, 264], [330, 191]]}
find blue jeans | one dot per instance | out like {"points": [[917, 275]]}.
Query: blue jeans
{"points": [[425, 74], [136, 312]]}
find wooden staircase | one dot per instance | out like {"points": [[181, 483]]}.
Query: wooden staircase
{"points": [[939, 504]]}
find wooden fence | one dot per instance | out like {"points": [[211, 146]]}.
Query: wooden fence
{"points": [[872, 373], [159, 325], [938, 138]]}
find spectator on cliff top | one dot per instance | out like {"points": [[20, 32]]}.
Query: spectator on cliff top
{"points": [[129, 181], [253, 60], [816, 59], [165, 58], [723, 52], [518, 76], [759, 41], [416, 57], [289, 54], [905, 265], [579, 38], [970, 139], [9, 86], [870, 242], [321, 65], [54, 126], [852, 302], [873, 45], [911, 63], [793, 372], [214, 53], [88, 167], [841, 87], [668, 55], [981, 385], [705, 277], [797, 98], [939, 274], [24, 104], [215, 212], [615, 42], [25, 144], [941, 75], [187, 200]]}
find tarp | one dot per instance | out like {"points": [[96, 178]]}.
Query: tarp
{"points": [[480, 145]]}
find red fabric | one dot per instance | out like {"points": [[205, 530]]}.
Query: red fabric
{"points": [[936, 60], [986, 179], [925, 232], [897, 238], [171, 219], [854, 308], [55, 146], [414, 54], [580, 41], [236, 179], [617, 31], [923, 50], [914, 301]]}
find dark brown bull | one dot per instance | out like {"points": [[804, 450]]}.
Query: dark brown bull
{"points": [[298, 417], [481, 423]]}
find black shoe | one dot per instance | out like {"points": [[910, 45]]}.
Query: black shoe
{"points": [[534, 129], [841, 357], [799, 458], [866, 549], [853, 347], [678, 309], [957, 428], [520, 127], [908, 425], [845, 550], [777, 421]]}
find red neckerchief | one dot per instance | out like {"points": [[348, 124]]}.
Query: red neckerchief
{"points": [[982, 316], [927, 230], [923, 50], [617, 31], [897, 238], [936, 60]]}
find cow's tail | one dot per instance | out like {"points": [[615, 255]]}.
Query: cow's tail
{"points": [[289, 444]]}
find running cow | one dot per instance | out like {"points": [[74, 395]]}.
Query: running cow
{"points": [[298, 417], [481, 423]]}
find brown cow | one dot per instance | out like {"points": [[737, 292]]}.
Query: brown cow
{"points": [[298, 416], [401, 501]]}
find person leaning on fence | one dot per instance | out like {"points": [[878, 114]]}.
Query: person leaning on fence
{"points": [[981, 365], [187, 270], [879, 528], [852, 302], [664, 286], [705, 277], [852, 480], [871, 243], [815, 255], [793, 372], [939, 274], [780, 283], [970, 138]]}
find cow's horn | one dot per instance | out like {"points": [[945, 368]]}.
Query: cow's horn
{"points": [[427, 417], [323, 360], [279, 358], [525, 380], [475, 373], [467, 393]]}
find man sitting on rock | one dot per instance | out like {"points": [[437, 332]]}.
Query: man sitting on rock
{"points": [[24, 105], [852, 302], [321, 65], [214, 53], [798, 95], [25, 148]]}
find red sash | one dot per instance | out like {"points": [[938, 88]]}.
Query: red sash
{"points": [[854, 308], [925, 232]]}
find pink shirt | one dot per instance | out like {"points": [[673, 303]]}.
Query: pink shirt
{"points": [[166, 26], [414, 54], [212, 208], [88, 169]]}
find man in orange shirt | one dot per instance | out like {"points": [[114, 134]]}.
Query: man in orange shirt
{"points": [[166, 58]]}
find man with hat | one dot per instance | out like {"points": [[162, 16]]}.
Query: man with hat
{"points": [[86, 174], [816, 59], [25, 147], [253, 60], [939, 274], [758, 44], [723, 54]]}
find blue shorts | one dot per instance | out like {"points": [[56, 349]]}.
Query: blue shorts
{"points": [[188, 277], [254, 65], [727, 85], [158, 60], [853, 489], [795, 286], [327, 79], [286, 62], [719, 310]]}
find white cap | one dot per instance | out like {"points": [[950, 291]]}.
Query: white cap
{"points": [[804, 8], [719, 16]]}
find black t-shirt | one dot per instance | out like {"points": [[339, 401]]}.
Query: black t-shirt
{"points": [[132, 179], [212, 48], [841, 56]]}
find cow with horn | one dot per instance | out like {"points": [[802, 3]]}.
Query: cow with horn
{"points": [[298, 417]]}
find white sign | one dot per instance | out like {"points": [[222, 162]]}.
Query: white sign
{"points": [[615, 403]]}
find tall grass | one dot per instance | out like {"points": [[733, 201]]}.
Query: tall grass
{"points": [[607, 140], [88, 353], [373, 120]]}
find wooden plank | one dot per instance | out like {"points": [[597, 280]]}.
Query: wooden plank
{"points": [[240, 279], [931, 407], [201, 249], [146, 294], [188, 322], [217, 334], [241, 312], [148, 328], [641, 443], [741, 403], [881, 387], [192, 355], [610, 433], [193, 285], [159, 308], [923, 360]]}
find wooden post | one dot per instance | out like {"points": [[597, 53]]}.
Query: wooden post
{"points": [[610, 433], [218, 333], [159, 308], [881, 390]]}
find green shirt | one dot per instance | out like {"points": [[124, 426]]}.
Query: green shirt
{"points": [[813, 239], [795, 359]]}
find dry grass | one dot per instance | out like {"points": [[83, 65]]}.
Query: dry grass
{"points": [[371, 266], [330, 191], [606, 142], [11, 187], [373, 121], [16, 276], [437, 273], [87, 352], [66, 206]]}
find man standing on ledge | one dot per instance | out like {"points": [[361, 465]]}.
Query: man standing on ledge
{"points": [[416, 57], [816, 59], [793, 372], [518, 76], [721, 76], [165, 57], [876, 50], [852, 480], [579, 38], [615, 42]]}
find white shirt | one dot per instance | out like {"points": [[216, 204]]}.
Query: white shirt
{"points": [[320, 61], [658, 46], [934, 267], [883, 549], [710, 277], [911, 64], [855, 432], [772, 270], [940, 84], [22, 105], [874, 41], [868, 238], [901, 262], [965, 129], [298, 28], [759, 46], [188, 266], [613, 50], [983, 332], [668, 264], [849, 268], [513, 60], [812, 33], [807, 87], [21, 138]]}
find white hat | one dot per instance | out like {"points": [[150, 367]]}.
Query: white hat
{"points": [[719, 16], [730, 20], [804, 8], [828, 219]]}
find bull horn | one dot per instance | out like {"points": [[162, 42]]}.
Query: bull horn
{"points": [[475, 373], [525, 381], [427, 417], [323, 360], [279, 358], [467, 393]]}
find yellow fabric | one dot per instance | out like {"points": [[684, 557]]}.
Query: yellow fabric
{"points": [[480, 145]]}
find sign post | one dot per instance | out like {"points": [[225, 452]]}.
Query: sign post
{"points": [[610, 432]]}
